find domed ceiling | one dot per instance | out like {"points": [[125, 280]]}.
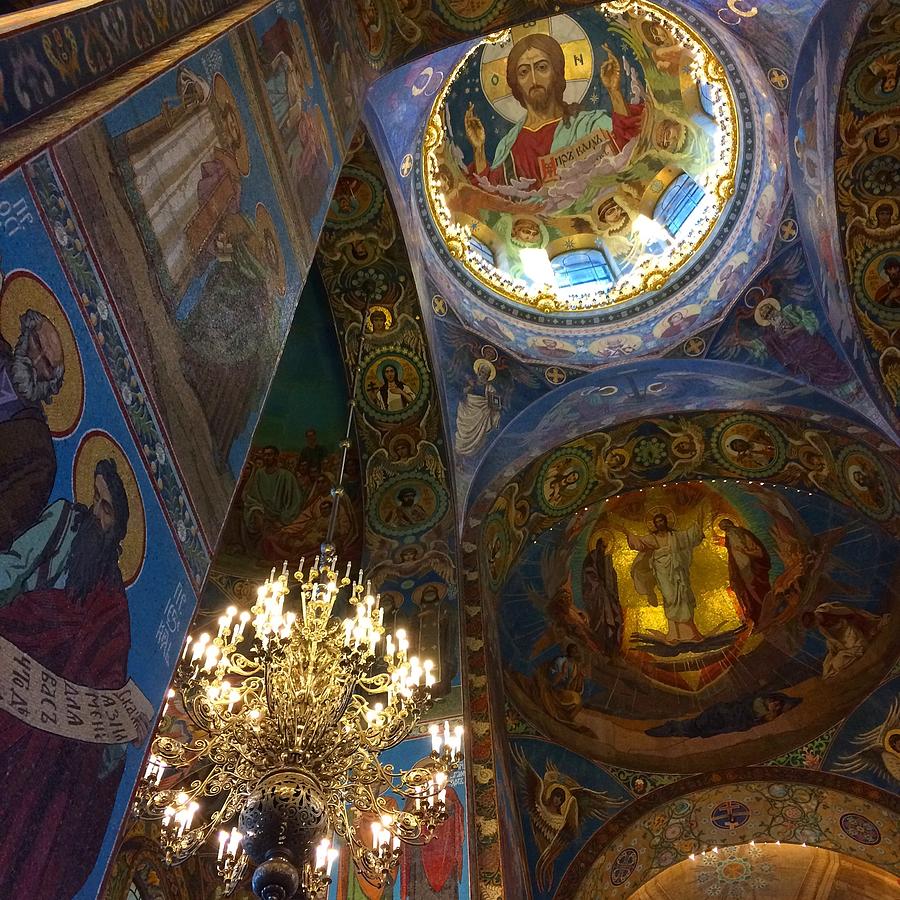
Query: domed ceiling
{"points": [[661, 510], [656, 629], [566, 135], [600, 176]]}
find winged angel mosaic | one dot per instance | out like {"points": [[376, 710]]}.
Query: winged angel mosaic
{"points": [[558, 807]]}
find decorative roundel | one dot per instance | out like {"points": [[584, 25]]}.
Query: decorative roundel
{"points": [[860, 829], [358, 199], [473, 16], [439, 305], [407, 504], [778, 78], [637, 200], [695, 346], [555, 375], [497, 545], [623, 866], [749, 445], [375, 25], [395, 385], [406, 165], [565, 479], [875, 285], [788, 230], [730, 814], [866, 482], [873, 82]]}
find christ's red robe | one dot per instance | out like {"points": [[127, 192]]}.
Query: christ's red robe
{"points": [[56, 806], [530, 145]]}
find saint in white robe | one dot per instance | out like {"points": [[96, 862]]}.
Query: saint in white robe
{"points": [[476, 417], [664, 561]]}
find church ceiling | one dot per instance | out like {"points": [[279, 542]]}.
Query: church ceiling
{"points": [[867, 181], [494, 445], [531, 188]]}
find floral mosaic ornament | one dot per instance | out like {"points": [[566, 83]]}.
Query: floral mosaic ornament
{"points": [[861, 829], [732, 872], [623, 866]]}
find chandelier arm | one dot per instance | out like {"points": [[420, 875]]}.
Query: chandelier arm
{"points": [[200, 710], [238, 664]]}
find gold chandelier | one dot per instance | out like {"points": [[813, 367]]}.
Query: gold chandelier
{"points": [[292, 706]]}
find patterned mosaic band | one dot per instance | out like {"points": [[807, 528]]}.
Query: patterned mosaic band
{"points": [[100, 314], [48, 63]]}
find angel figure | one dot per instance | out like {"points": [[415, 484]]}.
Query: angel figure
{"points": [[887, 345], [402, 454], [872, 226], [558, 807], [877, 750], [380, 325], [804, 555], [411, 560]]}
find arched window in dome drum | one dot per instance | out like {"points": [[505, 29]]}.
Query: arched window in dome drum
{"points": [[680, 199], [706, 99], [482, 250], [134, 892], [578, 268]]}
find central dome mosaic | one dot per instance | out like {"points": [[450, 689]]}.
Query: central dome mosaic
{"points": [[580, 162]]}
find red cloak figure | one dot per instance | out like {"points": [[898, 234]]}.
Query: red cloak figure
{"points": [[434, 871], [60, 792]]}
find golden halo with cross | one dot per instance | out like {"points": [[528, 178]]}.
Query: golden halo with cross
{"points": [[97, 445], [23, 291], [577, 50], [265, 229], [663, 510]]}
